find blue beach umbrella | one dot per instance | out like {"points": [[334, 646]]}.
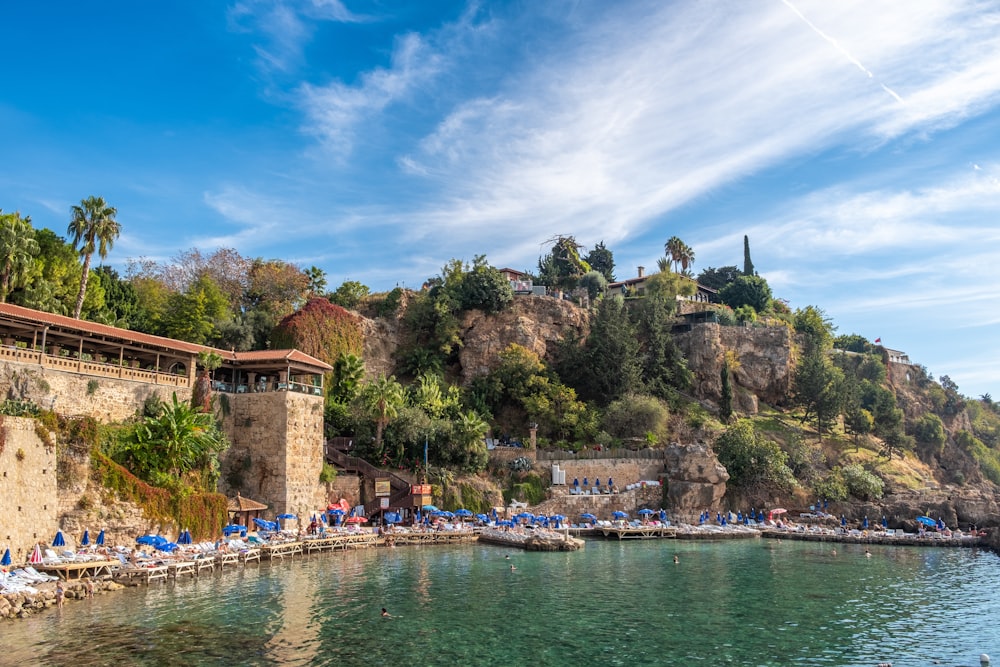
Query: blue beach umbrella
{"points": [[286, 516], [392, 517], [646, 511], [59, 541], [927, 521], [184, 537], [558, 519], [663, 514], [166, 546], [100, 539], [885, 524], [430, 508], [482, 517], [150, 540], [85, 540], [588, 516], [232, 528], [463, 512], [6, 558], [619, 515]]}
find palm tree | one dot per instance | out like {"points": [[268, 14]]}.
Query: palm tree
{"points": [[686, 257], [382, 399], [674, 249], [17, 249], [94, 225]]}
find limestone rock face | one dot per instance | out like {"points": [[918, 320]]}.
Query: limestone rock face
{"points": [[534, 322], [381, 338], [765, 355], [695, 478]]}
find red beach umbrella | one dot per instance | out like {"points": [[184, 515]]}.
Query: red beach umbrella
{"points": [[356, 519], [36, 555]]}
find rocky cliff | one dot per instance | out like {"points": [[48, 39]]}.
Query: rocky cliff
{"points": [[534, 322], [695, 479], [766, 362]]}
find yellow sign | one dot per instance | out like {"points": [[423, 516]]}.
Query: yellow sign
{"points": [[383, 487]]}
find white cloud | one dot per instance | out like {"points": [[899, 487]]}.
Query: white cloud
{"points": [[335, 110]]}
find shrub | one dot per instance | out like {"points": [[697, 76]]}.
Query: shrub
{"points": [[328, 474], [637, 416], [861, 483]]}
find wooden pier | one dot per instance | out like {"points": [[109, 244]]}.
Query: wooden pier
{"points": [[78, 569], [648, 532]]}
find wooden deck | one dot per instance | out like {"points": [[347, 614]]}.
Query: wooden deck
{"points": [[80, 569], [146, 574], [431, 537], [638, 532]]}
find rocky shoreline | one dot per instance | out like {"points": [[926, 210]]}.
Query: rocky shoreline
{"points": [[24, 604]]}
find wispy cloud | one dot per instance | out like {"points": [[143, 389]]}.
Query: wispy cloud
{"points": [[285, 27]]}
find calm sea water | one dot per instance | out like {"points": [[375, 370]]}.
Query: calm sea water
{"points": [[753, 602]]}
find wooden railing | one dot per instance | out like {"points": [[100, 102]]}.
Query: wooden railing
{"points": [[400, 486], [86, 367]]}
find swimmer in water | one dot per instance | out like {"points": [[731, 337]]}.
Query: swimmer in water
{"points": [[677, 559], [385, 613]]}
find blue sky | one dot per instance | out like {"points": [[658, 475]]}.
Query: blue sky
{"points": [[855, 142]]}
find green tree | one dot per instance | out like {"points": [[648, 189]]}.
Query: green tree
{"points": [[858, 422], [610, 366], [174, 442], [852, 343], [121, 301], [193, 315], [674, 248], [817, 328], [718, 278], [635, 415], [18, 249], [748, 269], [94, 229], [350, 294], [562, 267], [663, 368], [602, 260], [726, 397], [485, 288], [747, 291], [382, 398], [595, 284], [754, 463], [818, 387], [317, 281], [348, 373], [929, 432]]}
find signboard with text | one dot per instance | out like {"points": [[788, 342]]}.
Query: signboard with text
{"points": [[420, 489], [383, 487]]}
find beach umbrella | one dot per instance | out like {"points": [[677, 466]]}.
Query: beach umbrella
{"points": [[356, 519], [885, 524], [463, 512], [232, 528], [6, 558], [525, 515], [286, 516], [85, 540], [619, 515], [558, 519], [663, 514], [430, 508], [184, 537], [482, 517], [150, 540], [646, 512], [588, 516], [166, 546], [59, 541], [392, 517], [36, 555], [100, 539], [864, 524], [927, 521]]}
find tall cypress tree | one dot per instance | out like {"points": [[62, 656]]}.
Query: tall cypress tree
{"points": [[748, 269], [726, 400]]}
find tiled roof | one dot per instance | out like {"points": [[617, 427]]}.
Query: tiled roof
{"points": [[124, 335], [95, 329], [277, 355]]}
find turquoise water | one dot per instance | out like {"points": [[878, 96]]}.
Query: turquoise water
{"points": [[753, 602]]}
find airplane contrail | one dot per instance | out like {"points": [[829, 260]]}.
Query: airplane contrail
{"points": [[835, 44]]}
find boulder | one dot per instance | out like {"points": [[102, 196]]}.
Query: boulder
{"points": [[695, 478]]}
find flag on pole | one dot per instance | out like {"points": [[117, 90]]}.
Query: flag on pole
{"points": [[878, 340]]}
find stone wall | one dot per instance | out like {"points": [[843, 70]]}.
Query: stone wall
{"points": [[28, 489], [277, 450], [104, 399], [622, 471]]}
